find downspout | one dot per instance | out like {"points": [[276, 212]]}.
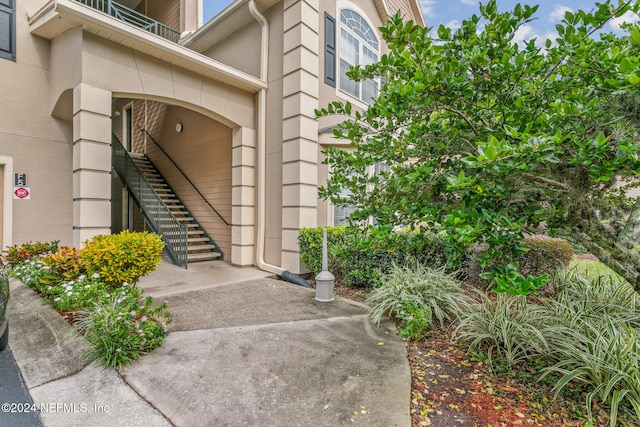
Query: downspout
{"points": [[261, 149]]}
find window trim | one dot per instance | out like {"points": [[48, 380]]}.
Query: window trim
{"points": [[361, 42], [9, 7]]}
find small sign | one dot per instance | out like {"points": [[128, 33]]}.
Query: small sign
{"points": [[19, 179], [23, 193]]}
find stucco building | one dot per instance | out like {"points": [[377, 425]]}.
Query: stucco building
{"points": [[219, 118]]}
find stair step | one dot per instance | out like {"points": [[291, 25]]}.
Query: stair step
{"points": [[197, 239], [201, 248], [207, 256], [189, 232]]}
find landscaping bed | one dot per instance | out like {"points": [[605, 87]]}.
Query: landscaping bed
{"points": [[453, 386]]}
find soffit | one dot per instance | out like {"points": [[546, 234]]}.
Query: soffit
{"points": [[58, 16], [232, 19]]}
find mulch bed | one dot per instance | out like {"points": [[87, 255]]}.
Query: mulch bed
{"points": [[450, 388]]}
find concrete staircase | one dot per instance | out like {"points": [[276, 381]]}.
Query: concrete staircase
{"points": [[201, 246]]}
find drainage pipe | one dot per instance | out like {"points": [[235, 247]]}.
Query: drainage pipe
{"points": [[261, 148], [294, 278]]}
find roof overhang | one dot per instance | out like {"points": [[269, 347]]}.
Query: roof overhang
{"points": [[59, 16], [232, 19]]}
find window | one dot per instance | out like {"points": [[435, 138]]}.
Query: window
{"points": [[358, 46], [8, 29], [341, 214]]}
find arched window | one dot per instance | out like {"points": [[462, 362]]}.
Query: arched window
{"points": [[358, 46]]}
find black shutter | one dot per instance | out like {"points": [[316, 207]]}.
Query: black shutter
{"points": [[329, 50], [7, 29]]}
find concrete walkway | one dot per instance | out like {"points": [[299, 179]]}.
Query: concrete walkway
{"points": [[249, 352]]}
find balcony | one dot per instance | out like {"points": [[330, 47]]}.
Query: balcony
{"points": [[132, 17]]}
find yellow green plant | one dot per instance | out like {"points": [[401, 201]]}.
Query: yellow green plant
{"points": [[122, 257], [65, 262]]}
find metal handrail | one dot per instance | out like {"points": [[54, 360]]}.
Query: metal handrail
{"points": [[186, 177], [159, 218], [132, 17]]}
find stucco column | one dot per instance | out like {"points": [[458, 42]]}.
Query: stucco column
{"points": [[243, 196], [300, 127], [91, 163]]}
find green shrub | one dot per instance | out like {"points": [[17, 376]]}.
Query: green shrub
{"points": [[310, 242], [123, 329], [86, 291], [358, 257], [368, 255], [544, 255], [30, 272], [415, 294], [506, 328], [604, 354], [122, 258], [17, 255]]}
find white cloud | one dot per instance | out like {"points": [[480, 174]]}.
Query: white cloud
{"points": [[454, 24], [528, 32], [427, 8], [470, 2], [557, 14], [628, 17], [525, 32]]}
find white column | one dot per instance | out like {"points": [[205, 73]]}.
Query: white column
{"points": [[243, 196], [300, 127], [91, 163]]}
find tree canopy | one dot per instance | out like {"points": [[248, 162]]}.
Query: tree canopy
{"points": [[486, 140]]}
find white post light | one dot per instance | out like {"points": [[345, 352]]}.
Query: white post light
{"points": [[324, 279]]}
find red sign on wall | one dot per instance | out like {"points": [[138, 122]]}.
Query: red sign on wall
{"points": [[21, 193]]}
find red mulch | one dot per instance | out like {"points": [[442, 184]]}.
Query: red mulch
{"points": [[451, 389]]}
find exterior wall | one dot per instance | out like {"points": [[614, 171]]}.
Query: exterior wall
{"points": [[299, 126], [241, 50], [148, 114], [203, 152], [34, 142], [164, 11], [122, 72], [273, 149]]}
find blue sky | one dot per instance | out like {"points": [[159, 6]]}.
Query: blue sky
{"points": [[452, 12]]}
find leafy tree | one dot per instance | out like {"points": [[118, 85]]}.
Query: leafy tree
{"points": [[487, 139]]}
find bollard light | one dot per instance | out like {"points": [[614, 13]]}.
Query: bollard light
{"points": [[324, 279]]}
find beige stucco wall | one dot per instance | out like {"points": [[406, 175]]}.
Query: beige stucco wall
{"points": [[273, 197], [241, 50], [38, 144]]}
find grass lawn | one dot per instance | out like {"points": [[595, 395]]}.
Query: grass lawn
{"points": [[592, 268]]}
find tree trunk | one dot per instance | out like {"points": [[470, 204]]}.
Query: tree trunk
{"points": [[624, 237]]}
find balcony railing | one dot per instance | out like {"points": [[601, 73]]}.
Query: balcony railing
{"points": [[132, 17]]}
